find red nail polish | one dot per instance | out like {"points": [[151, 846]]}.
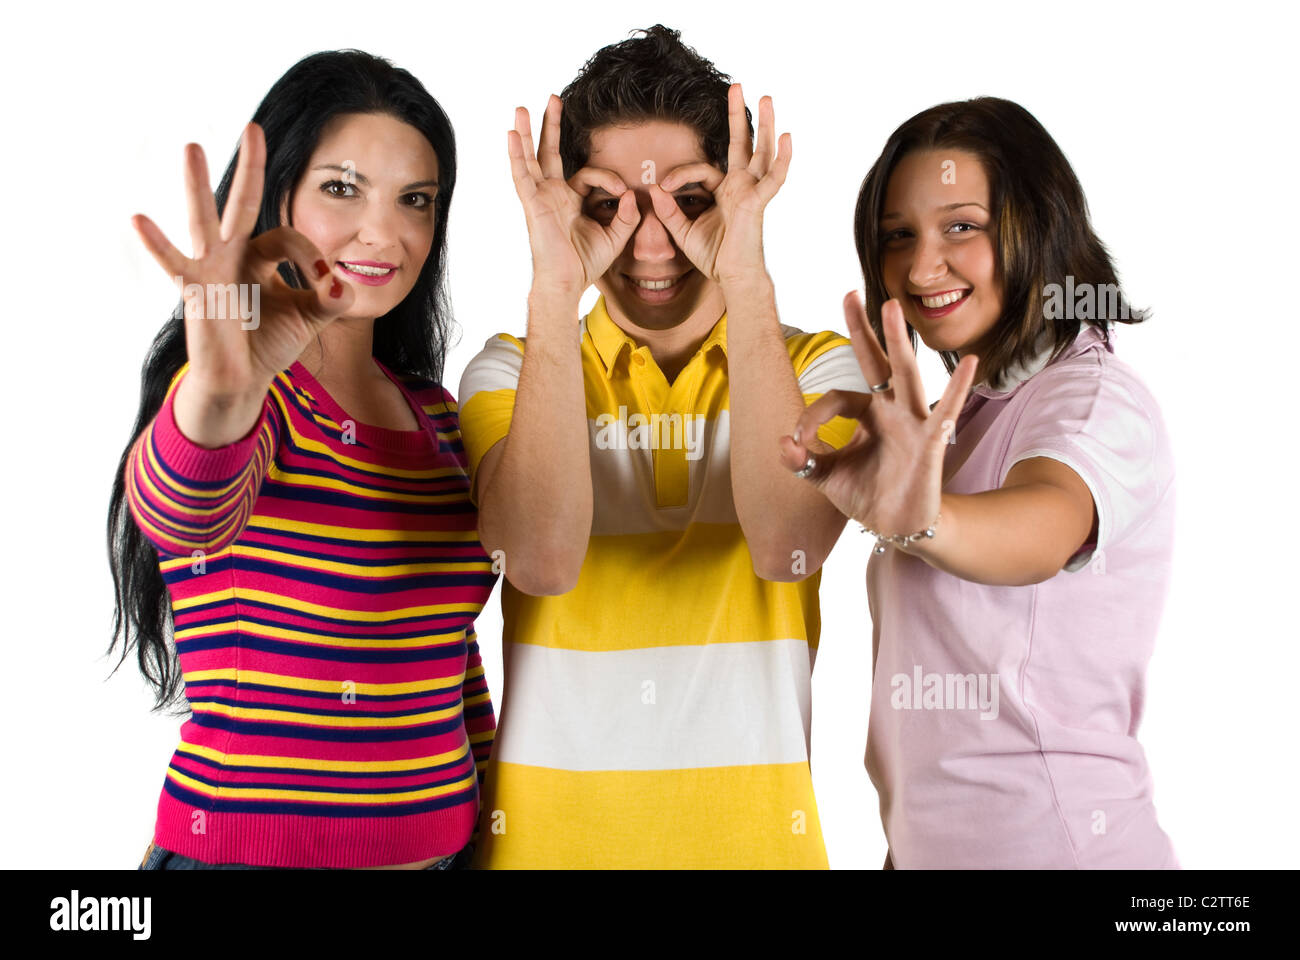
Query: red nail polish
{"points": [[336, 289], [322, 268]]}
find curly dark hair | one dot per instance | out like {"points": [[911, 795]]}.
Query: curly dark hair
{"points": [[651, 77]]}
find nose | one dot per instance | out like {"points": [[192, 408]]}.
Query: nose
{"points": [[929, 264], [378, 226], [651, 241]]}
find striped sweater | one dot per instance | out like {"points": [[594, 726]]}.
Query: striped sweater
{"points": [[324, 577]]}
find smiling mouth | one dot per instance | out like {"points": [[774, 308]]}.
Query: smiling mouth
{"points": [[365, 269], [656, 284], [940, 300]]}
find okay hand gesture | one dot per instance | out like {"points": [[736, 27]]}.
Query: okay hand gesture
{"points": [[890, 475], [570, 249], [725, 242], [229, 355]]}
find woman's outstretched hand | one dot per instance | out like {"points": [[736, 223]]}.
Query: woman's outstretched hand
{"points": [[234, 352], [889, 477]]}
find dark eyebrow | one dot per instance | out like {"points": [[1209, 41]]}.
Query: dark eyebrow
{"points": [[697, 185], [361, 177], [947, 206]]}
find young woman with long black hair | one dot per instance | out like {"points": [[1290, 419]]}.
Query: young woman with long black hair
{"points": [[293, 510], [1024, 522]]}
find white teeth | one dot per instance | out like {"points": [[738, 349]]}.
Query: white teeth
{"points": [[943, 300], [367, 271], [654, 284]]}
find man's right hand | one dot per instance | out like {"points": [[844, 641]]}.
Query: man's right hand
{"points": [[571, 251]]}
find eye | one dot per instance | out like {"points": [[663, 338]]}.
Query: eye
{"points": [[332, 187], [602, 210], [418, 200], [895, 237], [693, 203], [964, 227]]}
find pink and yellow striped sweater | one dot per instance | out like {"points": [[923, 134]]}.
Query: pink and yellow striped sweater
{"points": [[324, 576]]}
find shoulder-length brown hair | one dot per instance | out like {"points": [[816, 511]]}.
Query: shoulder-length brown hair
{"points": [[1041, 230]]}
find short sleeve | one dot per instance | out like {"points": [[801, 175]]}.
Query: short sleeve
{"points": [[487, 397], [822, 362], [1102, 423]]}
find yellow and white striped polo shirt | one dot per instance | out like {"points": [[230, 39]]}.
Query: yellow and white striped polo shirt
{"points": [[659, 714]]}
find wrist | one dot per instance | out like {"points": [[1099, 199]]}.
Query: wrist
{"points": [[553, 299], [943, 529], [747, 284], [215, 418]]}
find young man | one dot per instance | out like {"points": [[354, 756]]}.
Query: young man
{"points": [[661, 565]]}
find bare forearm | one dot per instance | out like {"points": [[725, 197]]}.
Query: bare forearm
{"points": [[1008, 537], [537, 507], [779, 512]]}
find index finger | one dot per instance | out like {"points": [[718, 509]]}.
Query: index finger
{"points": [[705, 174], [589, 178]]}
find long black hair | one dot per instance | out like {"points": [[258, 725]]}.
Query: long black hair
{"points": [[410, 339]]}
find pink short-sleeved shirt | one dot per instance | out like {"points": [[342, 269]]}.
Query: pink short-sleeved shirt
{"points": [[1004, 719]]}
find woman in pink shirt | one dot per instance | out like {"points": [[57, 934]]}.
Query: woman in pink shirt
{"points": [[1024, 522]]}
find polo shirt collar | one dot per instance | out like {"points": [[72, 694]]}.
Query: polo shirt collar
{"points": [[611, 340], [1088, 338]]}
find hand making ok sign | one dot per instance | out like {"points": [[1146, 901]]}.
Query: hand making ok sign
{"points": [[889, 477], [725, 242], [228, 357], [570, 249]]}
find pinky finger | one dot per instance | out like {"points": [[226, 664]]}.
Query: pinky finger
{"points": [[774, 179], [160, 248]]}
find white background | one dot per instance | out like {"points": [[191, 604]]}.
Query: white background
{"points": [[1179, 121]]}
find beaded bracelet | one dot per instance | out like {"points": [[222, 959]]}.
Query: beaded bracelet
{"points": [[902, 539]]}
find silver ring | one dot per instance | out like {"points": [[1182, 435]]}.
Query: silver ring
{"points": [[879, 388], [809, 465]]}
